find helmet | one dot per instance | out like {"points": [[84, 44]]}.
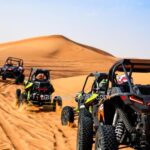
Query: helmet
{"points": [[122, 79], [100, 86], [103, 84], [40, 76]]}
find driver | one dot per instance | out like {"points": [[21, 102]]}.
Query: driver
{"points": [[121, 79], [122, 82], [40, 77]]}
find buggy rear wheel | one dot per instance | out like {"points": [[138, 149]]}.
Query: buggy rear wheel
{"points": [[85, 130], [67, 115], [106, 138]]}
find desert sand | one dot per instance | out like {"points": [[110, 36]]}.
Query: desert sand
{"points": [[27, 128]]}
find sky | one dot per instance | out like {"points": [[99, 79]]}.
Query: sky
{"points": [[120, 27]]}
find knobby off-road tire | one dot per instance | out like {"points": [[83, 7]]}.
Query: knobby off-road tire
{"points": [[67, 115], [85, 130], [106, 138]]}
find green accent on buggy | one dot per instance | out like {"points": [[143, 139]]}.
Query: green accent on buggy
{"points": [[25, 82], [90, 109], [27, 88], [80, 94], [28, 95], [91, 98], [104, 81], [28, 85]]}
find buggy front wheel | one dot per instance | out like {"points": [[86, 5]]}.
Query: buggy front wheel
{"points": [[106, 138], [85, 130]]}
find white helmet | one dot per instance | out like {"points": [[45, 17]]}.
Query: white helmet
{"points": [[122, 79]]}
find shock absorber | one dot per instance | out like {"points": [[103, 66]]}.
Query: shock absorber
{"points": [[119, 130]]}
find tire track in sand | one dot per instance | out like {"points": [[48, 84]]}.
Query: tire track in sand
{"points": [[12, 135], [8, 130], [24, 130]]}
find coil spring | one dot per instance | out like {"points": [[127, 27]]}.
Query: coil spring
{"points": [[119, 130]]}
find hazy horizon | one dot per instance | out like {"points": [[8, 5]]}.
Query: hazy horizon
{"points": [[120, 27]]}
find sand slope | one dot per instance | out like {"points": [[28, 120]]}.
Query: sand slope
{"points": [[63, 56]]}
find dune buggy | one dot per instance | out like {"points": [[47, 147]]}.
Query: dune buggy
{"points": [[88, 109], [13, 68], [38, 91], [126, 108]]}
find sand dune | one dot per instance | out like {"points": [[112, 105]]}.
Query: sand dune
{"points": [[63, 56]]}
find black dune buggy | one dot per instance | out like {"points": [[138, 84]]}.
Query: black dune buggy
{"points": [[13, 68], [38, 91], [126, 108], [88, 109]]}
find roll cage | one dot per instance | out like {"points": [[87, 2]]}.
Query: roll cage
{"points": [[128, 66], [13, 59]]}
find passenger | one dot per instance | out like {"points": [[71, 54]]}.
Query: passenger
{"points": [[121, 79], [122, 82]]}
